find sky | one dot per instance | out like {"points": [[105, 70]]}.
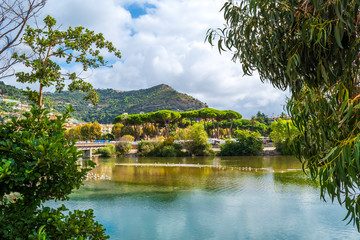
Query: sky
{"points": [[162, 42]]}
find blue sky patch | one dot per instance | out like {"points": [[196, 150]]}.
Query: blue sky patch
{"points": [[136, 10]]}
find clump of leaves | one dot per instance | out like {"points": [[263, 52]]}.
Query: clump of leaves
{"points": [[39, 164], [49, 46]]}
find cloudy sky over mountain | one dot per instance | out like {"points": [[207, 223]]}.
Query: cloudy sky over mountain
{"points": [[162, 41]]}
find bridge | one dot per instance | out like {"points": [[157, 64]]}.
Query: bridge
{"points": [[87, 147]]}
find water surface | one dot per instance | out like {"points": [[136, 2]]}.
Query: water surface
{"points": [[209, 198]]}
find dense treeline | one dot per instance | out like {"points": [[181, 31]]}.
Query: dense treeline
{"points": [[170, 121]]}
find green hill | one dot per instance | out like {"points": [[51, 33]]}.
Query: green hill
{"points": [[113, 102], [11, 92]]}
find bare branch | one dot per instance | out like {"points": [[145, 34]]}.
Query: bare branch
{"points": [[14, 15]]}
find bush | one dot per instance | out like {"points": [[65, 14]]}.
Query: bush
{"points": [[144, 148], [107, 151], [168, 151], [197, 143], [248, 143], [166, 148], [125, 145]]}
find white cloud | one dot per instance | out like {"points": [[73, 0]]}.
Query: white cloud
{"points": [[167, 46]]}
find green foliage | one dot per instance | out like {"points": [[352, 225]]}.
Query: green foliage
{"points": [[166, 148], [312, 48], [112, 103], [144, 148], [125, 145], [108, 136], [197, 141], [38, 164], [168, 151], [107, 151], [12, 92], [73, 134], [262, 118], [116, 130], [90, 131], [48, 45], [247, 143], [149, 130], [127, 130], [283, 134]]}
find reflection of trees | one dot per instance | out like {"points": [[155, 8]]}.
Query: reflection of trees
{"points": [[295, 178], [231, 175]]}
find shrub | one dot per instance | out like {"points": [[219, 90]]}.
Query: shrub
{"points": [[144, 148], [107, 151], [166, 148], [248, 143], [168, 151], [197, 143], [125, 145]]}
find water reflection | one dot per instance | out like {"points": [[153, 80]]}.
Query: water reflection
{"points": [[216, 198], [211, 174]]}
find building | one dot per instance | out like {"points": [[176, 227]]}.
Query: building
{"points": [[106, 128]]}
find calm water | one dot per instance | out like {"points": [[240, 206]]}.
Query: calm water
{"points": [[235, 198]]}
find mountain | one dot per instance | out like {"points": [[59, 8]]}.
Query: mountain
{"points": [[11, 92], [113, 102]]}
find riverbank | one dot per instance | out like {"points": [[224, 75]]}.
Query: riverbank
{"points": [[267, 151]]}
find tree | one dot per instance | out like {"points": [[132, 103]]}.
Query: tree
{"points": [[283, 134], [135, 120], [85, 131], [197, 143], [14, 15], [262, 118], [209, 113], [312, 48], [38, 164], [95, 131], [73, 134], [116, 130], [108, 136], [166, 117], [231, 115], [48, 45], [90, 131]]}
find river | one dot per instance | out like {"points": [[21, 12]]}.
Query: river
{"points": [[209, 198]]}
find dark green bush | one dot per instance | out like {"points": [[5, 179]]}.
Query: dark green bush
{"points": [[248, 143], [166, 148], [144, 148], [107, 151], [168, 151]]}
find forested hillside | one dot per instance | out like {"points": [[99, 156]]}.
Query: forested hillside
{"points": [[11, 92], [113, 102]]}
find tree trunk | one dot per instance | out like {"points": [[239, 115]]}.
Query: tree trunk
{"points": [[40, 96], [231, 125], [213, 125], [167, 128], [143, 130]]}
